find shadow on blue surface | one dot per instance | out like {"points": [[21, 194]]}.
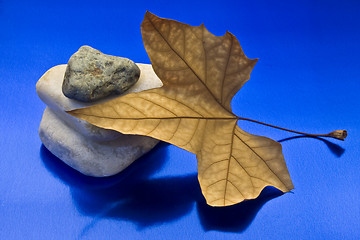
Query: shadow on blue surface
{"points": [[236, 218], [134, 196], [131, 195], [334, 148]]}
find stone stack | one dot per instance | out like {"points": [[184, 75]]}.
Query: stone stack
{"points": [[90, 78]]}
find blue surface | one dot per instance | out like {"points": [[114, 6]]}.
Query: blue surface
{"points": [[307, 79]]}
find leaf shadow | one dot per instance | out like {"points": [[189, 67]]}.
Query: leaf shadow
{"points": [[337, 150], [134, 196], [236, 218]]}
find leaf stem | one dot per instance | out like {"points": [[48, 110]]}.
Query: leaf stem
{"points": [[338, 134]]}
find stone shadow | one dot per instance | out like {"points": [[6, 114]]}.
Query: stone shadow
{"points": [[131, 195]]}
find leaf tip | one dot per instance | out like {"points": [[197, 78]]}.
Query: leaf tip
{"points": [[227, 33], [148, 14], [254, 61], [72, 112]]}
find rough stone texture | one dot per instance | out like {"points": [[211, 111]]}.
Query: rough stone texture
{"points": [[49, 90], [92, 75], [92, 158], [89, 149]]}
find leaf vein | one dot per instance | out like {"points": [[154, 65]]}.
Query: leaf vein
{"points": [[182, 59], [212, 184], [159, 105], [174, 132], [260, 158], [193, 134], [205, 56], [245, 172], [226, 67], [235, 188], [125, 103], [176, 100], [213, 163], [157, 125], [230, 154], [152, 118]]}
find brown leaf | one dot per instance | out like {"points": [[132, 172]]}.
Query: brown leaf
{"points": [[201, 73]]}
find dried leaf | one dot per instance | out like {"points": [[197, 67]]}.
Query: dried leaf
{"points": [[201, 73]]}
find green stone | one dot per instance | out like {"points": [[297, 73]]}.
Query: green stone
{"points": [[91, 75]]}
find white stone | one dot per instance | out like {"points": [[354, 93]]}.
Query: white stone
{"points": [[89, 149], [88, 156], [49, 89]]}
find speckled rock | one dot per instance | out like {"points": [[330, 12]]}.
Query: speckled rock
{"points": [[91, 75]]}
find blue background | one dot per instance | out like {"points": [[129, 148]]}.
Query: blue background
{"points": [[307, 79]]}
